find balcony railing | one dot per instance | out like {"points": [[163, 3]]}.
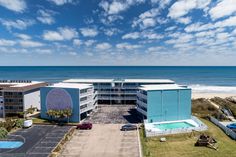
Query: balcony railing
{"points": [[142, 111]]}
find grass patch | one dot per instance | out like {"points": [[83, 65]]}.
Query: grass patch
{"points": [[182, 145], [40, 121]]}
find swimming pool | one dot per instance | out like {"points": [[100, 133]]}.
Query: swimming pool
{"points": [[10, 144], [174, 125]]}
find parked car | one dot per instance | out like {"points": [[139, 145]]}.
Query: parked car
{"points": [[128, 127], [85, 126]]}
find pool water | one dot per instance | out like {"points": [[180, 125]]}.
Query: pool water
{"points": [[10, 144], [175, 125]]}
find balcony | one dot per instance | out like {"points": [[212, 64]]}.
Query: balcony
{"points": [[86, 94], [116, 98], [141, 103], [141, 111], [141, 95], [86, 101]]}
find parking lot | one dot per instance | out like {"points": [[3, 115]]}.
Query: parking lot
{"points": [[39, 141], [104, 140], [114, 114]]}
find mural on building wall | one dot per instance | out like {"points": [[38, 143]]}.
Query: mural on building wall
{"points": [[58, 99]]}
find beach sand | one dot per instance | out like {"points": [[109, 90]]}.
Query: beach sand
{"points": [[208, 95]]}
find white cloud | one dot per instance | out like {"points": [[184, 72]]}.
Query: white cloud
{"points": [[14, 5], [222, 36], [63, 33], [4, 42], [183, 7], [145, 35], [17, 24], [231, 21], [89, 42], [146, 19], [116, 7], [89, 32], [171, 28], [46, 16], [103, 46], [43, 51], [134, 35], [162, 3], [148, 22], [29, 43], [23, 36], [62, 2], [222, 9], [127, 46], [184, 20], [52, 36], [77, 42], [111, 31]]}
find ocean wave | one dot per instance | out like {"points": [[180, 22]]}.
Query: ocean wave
{"points": [[212, 89]]}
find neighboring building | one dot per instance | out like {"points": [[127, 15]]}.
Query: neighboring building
{"points": [[17, 96], [79, 98], [158, 103], [118, 91]]}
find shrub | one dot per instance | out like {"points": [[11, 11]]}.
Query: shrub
{"points": [[3, 133], [19, 123]]}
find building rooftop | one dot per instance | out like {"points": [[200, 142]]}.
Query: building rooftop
{"points": [[71, 85], [20, 85], [162, 87], [120, 80]]}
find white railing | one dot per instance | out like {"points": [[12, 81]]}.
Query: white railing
{"points": [[201, 127], [86, 101]]}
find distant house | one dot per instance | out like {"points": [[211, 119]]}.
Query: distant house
{"points": [[158, 103], [79, 98]]}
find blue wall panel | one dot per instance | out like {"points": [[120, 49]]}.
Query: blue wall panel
{"points": [[170, 105], [185, 104], [154, 108]]}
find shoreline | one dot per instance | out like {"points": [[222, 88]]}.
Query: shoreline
{"points": [[208, 95]]}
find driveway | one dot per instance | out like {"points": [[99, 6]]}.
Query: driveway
{"points": [[104, 140]]}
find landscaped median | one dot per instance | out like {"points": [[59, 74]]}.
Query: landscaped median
{"points": [[182, 145]]}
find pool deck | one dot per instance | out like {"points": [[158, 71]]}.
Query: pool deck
{"points": [[151, 126], [152, 130], [39, 140]]}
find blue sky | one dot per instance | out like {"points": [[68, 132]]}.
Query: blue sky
{"points": [[118, 32]]}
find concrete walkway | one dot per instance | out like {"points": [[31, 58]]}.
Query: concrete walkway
{"points": [[104, 140]]}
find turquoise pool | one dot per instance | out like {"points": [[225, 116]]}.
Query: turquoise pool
{"points": [[10, 144], [175, 125]]}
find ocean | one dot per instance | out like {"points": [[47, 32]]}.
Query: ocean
{"points": [[216, 79]]}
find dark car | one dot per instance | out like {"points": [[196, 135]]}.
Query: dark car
{"points": [[85, 126], [128, 127]]}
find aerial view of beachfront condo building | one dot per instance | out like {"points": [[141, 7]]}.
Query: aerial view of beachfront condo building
{"points": [[117, 78], [118, 91]]}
